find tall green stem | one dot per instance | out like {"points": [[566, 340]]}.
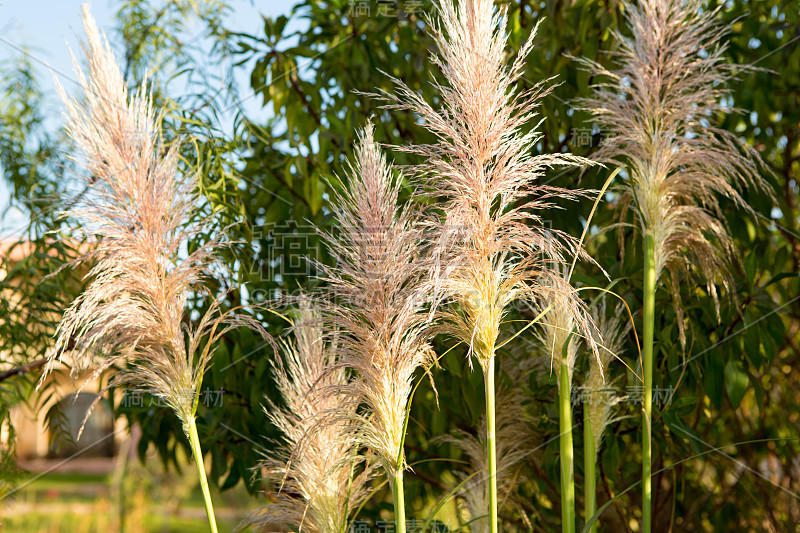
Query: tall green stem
{"points": [[488, 380], [399, 502], [194, 441], [589, 462], [647, 370], [565, 441]]}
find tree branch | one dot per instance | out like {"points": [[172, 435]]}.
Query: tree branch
{"points": [[22, 369]]}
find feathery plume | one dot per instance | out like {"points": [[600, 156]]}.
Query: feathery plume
{"points": [[558, 334], [137, 213], [377, 299], [315, 468], [599, 402], [656, 111], [494, 247], [599, 399]]}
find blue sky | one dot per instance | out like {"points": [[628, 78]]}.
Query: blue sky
{"points": [[45, 27]]}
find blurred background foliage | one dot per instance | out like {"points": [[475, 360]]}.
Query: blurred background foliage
{"points": [[731, 394]]}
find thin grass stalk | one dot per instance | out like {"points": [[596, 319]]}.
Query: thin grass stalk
{"points": [[488, 380], [565, 445], [559, 335], [399, 502], [647, 371], [589, 474], [197, 452], [514, 443]]}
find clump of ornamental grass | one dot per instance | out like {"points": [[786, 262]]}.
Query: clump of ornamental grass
{"points": [[316, 468], [495, 247], [657, 109], [137, 216], [515, 443], [599, 398], [376, 299]]}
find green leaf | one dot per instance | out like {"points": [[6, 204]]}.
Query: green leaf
{"points": [[233, 477], [750, 267], [736, 383], [714, 380]]}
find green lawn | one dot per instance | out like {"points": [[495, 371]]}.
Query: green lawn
{"points": [[154, 502], [99, 522]]}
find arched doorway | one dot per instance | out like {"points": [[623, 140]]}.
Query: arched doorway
{"points": [[97, 439]]}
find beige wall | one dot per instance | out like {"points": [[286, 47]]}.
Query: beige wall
{"points": [[33, 436]]}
